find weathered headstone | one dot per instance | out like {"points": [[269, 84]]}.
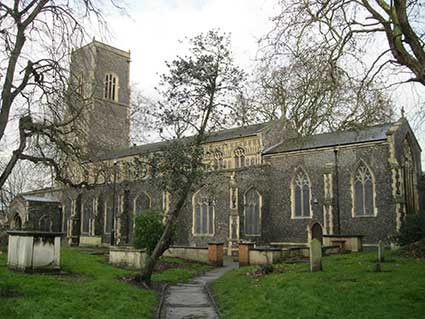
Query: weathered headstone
{"points": [[315, 255], [381, 251]]}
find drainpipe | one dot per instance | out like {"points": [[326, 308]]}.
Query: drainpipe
{"points": [[337, 191]]}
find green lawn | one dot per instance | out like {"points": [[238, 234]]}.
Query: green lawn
{"points": [[347, 288], [92, 290]]}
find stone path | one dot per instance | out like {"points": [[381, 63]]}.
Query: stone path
{"points": [[192, 300]]}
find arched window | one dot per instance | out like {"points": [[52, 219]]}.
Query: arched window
{"points": [[301, 194], [111, 87], [252, 212], [363, 191], [239, 157], [203, 213], [17, 222], [87, 212], [141, 203], [218, 160], [67, 212], [45, 223]]}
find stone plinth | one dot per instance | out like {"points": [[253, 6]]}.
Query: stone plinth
{"points": [[199, 254], [127, 257], [244, 248], [353, 243], [216, 254], [34, 250], [90, 241], [264, 256]]}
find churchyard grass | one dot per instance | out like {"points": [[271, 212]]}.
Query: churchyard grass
{"points": [[89, 288], [347, 288]]}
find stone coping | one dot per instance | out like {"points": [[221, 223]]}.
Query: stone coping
{"points": [[127, 248], [341, 235], [296, 247], [34, 233], [188, 247], [266, 249]]}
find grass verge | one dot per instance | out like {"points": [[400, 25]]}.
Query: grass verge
{"points": [[88, 288], [347, 288]]}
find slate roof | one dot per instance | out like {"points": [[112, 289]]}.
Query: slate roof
{"points": [[368, 134], [227, 134]]}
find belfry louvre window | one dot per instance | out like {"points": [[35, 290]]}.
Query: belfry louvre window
{"points": [[300, 194], [203, 213], [363, 190], [111, 87], [252, 212]]}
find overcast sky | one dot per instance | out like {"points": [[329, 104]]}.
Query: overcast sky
{"points": [[154, 28]]}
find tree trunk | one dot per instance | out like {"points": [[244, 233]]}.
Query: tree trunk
{"points": [[163, 244]]}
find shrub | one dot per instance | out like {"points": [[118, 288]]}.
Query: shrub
{"points": [[148, 230], [412, 229]]}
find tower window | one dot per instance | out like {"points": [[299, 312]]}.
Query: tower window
{"points": [[111, 87]]}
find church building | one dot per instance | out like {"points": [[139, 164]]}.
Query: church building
{"points": [[270, 185]]}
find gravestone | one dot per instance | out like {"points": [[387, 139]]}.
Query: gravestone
{"points": [[381, 251], [315, 255]]}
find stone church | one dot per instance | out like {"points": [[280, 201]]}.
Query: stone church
{"points": [[271, 187]]}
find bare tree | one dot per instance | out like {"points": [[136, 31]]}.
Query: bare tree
{"points": [[25, 177], [390, 33], [315, 96], [197, 92], [36, 38], [143, 124]]}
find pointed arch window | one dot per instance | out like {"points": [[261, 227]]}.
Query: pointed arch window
{"points": [[218, 160], [141, 203], [45, 223], [87, 212], [363, 191], [239, 157], [111, 87], [203, 213], [301, 195], [252, 212]]}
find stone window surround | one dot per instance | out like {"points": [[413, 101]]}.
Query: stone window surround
{"points": [[293, 216], [239, 157], [134, 205], [260, 207], [194, 233], [353, 176]]}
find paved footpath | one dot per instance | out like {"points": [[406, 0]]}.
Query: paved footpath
{"points": [[192, 300]]}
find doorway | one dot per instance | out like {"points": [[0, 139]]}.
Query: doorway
{"points": [[317, 232]]}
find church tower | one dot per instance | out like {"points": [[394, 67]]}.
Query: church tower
{"points": [[100, 74]]}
